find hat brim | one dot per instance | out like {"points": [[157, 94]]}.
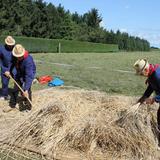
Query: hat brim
{"points": [[20, 55], [142, 71], [9, 44]]}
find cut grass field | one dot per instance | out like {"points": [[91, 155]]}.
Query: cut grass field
{"points": [[109, 72]]}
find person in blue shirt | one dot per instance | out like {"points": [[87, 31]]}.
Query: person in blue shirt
{"points": [[152, 72], [26, 70], [6, 58]]}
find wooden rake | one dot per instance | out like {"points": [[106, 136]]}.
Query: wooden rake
{"points": [[20, 89]]}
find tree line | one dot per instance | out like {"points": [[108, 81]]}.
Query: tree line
{"points": [[36, 18]]}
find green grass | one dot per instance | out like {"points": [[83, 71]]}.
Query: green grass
{"points": [[51, 45], [105, 78]]}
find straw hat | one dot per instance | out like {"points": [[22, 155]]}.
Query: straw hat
{"points": [[140, 65], [10, 41], [18, 50]]}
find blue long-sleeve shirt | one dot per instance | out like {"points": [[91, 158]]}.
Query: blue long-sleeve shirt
{"points": [[153, 85], [6, 58], [26, 70]]}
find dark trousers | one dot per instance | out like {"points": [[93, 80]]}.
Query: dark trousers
{"points": [[24, 103], [5, 82]]}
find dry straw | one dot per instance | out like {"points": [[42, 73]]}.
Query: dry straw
{"points": [[79, 124]]}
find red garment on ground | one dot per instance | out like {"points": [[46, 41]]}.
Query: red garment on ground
{"points": [[44, 79]]}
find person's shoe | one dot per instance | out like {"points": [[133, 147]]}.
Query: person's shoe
{"points": [[2, 98], [7, 98], [26, 111]]}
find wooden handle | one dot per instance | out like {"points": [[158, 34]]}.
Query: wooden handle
{"points": [[20, 89]]}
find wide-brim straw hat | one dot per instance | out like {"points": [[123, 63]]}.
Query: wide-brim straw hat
{"points": [[140, 65], [9, 40], [18, 50]]}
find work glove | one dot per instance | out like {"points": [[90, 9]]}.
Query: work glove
{"points": [[141, 100], [150, 101], [25, 94], [7, 73]]}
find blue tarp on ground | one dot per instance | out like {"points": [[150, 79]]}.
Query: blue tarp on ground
{"points": [[56, 82]]}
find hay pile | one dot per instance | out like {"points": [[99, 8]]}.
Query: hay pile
{"points": [[79, 124]]}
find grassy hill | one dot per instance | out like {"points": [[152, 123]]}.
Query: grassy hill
{"points": [[65, 46]]}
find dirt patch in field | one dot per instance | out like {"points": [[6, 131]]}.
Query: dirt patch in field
{"points": [[80, 124]]}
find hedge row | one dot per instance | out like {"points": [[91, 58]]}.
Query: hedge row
{"points": [[40, 45]]}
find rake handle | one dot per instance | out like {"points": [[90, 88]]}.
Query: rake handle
{"points": [[20, 89]]}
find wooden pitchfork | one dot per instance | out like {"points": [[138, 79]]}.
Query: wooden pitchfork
{"points": [[20, 89]]}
